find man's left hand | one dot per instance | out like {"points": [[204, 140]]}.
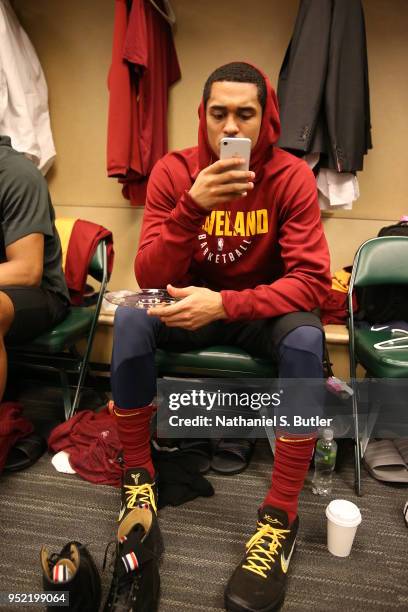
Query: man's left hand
{"points": [[197, 306]]}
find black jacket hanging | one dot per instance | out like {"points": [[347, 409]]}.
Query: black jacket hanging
{"points": [[323, 85]]}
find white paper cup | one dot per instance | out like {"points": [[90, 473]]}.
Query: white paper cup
{"points": [[343, 518]]}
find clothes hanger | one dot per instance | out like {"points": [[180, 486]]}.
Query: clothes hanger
{"points": [[169, 15], [394, 343]]}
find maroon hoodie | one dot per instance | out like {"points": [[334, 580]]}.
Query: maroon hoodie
{"points": [[265, 252]]}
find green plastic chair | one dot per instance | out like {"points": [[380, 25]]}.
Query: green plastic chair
{"points": [[213, 362], [216, 362], [56, 350], [379, 261]]}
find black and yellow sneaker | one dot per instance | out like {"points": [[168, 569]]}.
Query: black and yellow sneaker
{"points": [[139, 490], [258, 583], [135, 585]]}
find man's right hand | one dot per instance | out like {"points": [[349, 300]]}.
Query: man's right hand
{"points": [[221, 182]]}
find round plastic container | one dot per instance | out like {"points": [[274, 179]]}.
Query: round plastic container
{"points": [[145, 298]]}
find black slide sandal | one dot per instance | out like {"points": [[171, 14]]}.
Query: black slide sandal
{"points": [[25, 452], [232, 456]]}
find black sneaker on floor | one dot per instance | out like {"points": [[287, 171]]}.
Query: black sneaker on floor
{"points": [[258, 583], [72, 570], [139, 490], [135, 583]]}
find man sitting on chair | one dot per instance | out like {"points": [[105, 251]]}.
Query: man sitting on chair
{"points": [[246, 253], [33, 293]]}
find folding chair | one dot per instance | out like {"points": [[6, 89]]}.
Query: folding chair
{"points": [[379, 261], [216, 362], [56, 350]]}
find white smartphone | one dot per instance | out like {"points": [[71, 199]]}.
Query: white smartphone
{"points": [[236, 147]]}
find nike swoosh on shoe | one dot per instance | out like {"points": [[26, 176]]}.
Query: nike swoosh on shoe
{"points": [[285, 562], [121, 513]]}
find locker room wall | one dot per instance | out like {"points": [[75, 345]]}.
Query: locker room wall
{"points": [[73, 41]]}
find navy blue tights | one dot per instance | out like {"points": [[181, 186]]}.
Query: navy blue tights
{"points": [[136, 337]]}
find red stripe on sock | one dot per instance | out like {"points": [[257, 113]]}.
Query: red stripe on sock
{"points": [[134, 559], [134, 433], [292, 460]]}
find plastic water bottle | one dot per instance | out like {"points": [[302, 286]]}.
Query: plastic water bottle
{"points": [[325, 461]]}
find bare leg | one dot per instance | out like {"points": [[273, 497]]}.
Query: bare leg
{"points": [[6, 319]]}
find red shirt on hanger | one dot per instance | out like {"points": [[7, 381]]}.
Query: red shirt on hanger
{"points": [[144, 65]]}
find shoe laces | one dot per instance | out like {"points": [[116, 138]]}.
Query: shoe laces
{"points": [[112, 557], [124, 585], [52, 561], [262, 548], [54, 558], [124, 591], [139, 495]]}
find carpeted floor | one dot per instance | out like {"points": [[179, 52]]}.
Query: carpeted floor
{"points": [[204, 539]]}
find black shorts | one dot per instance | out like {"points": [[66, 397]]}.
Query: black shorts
{"points": [[35, 311]]}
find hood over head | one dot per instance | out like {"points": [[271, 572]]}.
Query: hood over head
{"points": [[268, 134]]}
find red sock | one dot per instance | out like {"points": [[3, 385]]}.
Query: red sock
{"points": [[292, 459], [134, 433]]}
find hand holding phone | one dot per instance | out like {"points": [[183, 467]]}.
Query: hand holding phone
{"points": [[227, 179], [236, 147]]}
